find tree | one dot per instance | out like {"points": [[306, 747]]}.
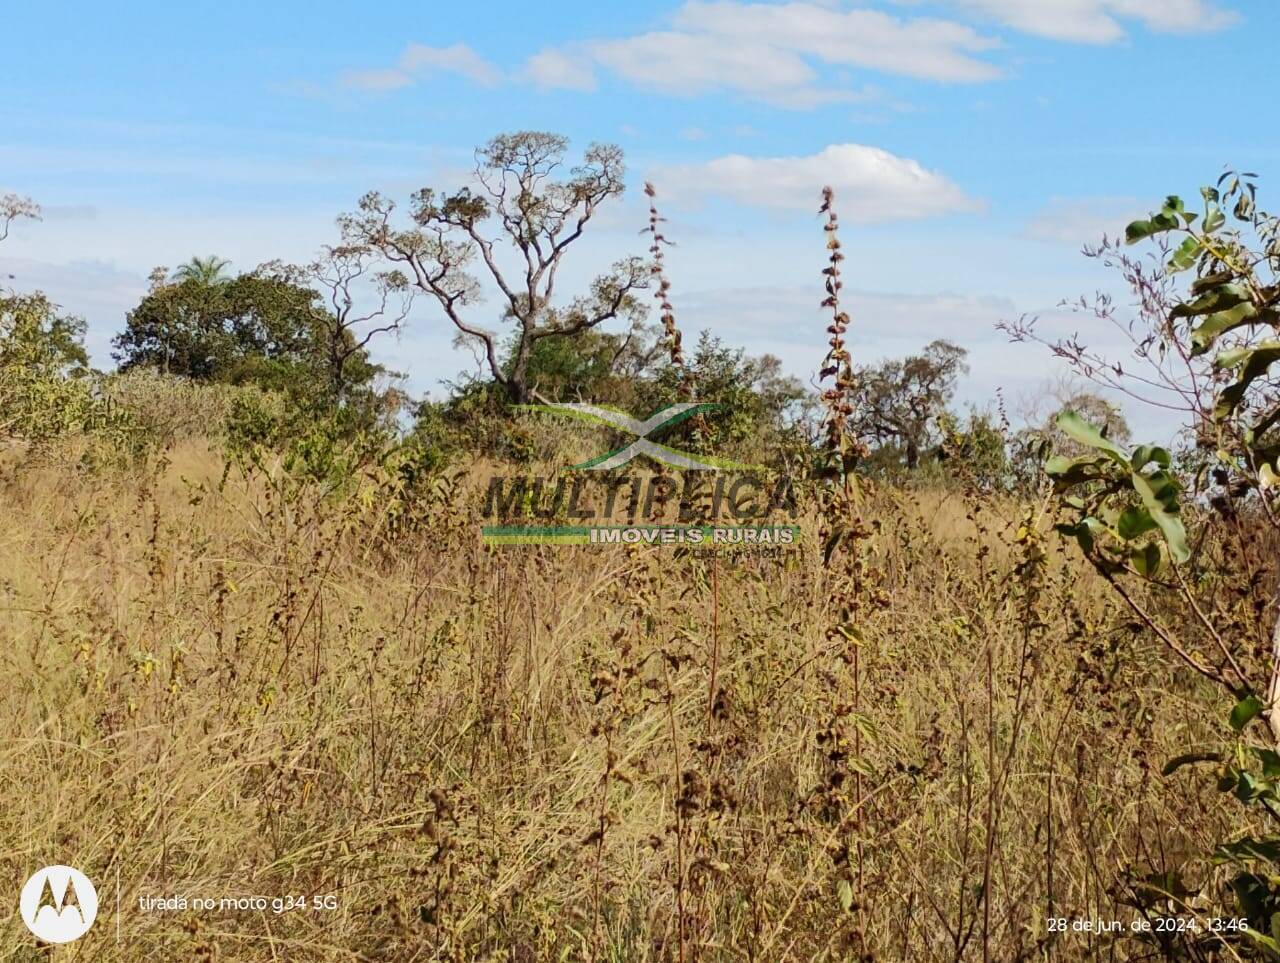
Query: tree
{"points": [[361, 304], [46, 388], [209, 271], [758, 402], [14, 207], [35, 334], [537, 218], [597, 366], [897, 403], [976, 448], [258, 328]]}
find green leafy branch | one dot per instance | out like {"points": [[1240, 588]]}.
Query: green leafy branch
{"points": [[1118, 499], [1231, 310]]}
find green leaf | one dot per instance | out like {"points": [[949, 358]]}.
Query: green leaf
{"points": [[1185, 255], [1215, 297], [1137, 230], [1076, 428], [1265, 942], [1159, 493], [1248, 850], [1253, 896], [1247, 788], [1213, 220], [1144, 455], [1220, 322], [1245, 711], [1133, 522], [1166, 220], [1270, 761], [1232, 357], [1203, 284], [1256, 362], [844, 892], [1146, 560], [1073, 471]]}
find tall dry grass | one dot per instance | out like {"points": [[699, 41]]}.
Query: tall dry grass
{"points": [[234, 686]]}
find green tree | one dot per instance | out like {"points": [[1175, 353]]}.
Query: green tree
{"points": [[360, 303], [521, 210], [36, 334], [209, 271], [758, 402], [897, 403], [597, 366], [976, 447], [46, 387], [254, 328]]}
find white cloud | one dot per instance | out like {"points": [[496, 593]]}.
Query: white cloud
{"points": [[561, 69], [377, 80], [458, 59], [688, 65], [1083, 220], [419, 60], [1100, 21], [925, 47], [872, 185], [770, 52]]}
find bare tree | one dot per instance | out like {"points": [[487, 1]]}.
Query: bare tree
{"points": [[14, 207], [538, 217], [361, 302]]}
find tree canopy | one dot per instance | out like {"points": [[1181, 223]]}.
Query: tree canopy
{"points": [[251, 328], [518, 207], [897, 402]]}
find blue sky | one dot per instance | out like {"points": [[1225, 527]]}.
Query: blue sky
{"points": [[974, 145]]}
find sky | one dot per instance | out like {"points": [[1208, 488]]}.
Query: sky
{"points": [[974, 146]]}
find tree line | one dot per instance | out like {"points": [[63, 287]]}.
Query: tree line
{"points": [[306, 331]]}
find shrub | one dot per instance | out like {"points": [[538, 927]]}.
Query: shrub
{"points": [[170, 408], [47, 390]]}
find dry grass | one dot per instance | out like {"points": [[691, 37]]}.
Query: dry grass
{"points": [[520, 754]]}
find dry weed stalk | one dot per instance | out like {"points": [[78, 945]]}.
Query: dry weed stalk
{"points": [[702, 798], [845, 537], [662, 294]]}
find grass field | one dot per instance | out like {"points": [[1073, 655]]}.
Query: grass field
{"points": [[234, 686]]}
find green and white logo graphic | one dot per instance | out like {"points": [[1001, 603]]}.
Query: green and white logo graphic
{"points": [[642, 430]]}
